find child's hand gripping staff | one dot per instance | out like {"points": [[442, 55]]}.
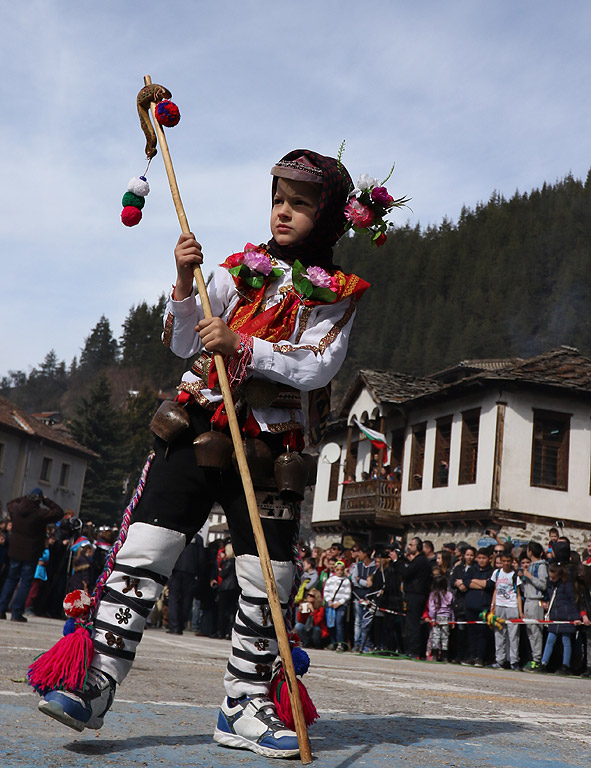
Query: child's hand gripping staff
{"points": [[218, 336]]}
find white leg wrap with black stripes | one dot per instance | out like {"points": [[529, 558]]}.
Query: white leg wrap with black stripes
{"points": [[142, 567], [254, 643]]}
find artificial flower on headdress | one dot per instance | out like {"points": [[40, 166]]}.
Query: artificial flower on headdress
{"points": [[314, 283], [253, 266], [369, 204]]}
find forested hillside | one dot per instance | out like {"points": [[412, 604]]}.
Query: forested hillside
{"points": [[509, 278]]}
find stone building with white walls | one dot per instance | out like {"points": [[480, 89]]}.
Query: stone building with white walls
{"points": [[38, 453], [486, 442]]}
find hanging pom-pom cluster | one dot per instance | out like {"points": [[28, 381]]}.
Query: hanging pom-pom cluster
{"points": [[167, 113], [134, 200]]}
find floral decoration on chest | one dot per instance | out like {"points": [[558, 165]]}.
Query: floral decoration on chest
{"points": [[253, 267]]}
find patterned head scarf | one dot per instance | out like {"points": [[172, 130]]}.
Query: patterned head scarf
{"points": [[330, 221]]}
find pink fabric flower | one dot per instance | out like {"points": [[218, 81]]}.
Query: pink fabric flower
{"points": [[380, 195], [359, 214], [258, 262], [319, 277]]}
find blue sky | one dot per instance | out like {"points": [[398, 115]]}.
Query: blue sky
{"points": [[466, 96]]}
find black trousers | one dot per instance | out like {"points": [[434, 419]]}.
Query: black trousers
{"points": [[415, 605], [179, 494], [181, 588]]}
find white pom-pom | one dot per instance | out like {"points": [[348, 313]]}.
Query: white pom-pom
{"points": [[139, 186]]}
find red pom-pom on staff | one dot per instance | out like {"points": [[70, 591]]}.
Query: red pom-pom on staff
{"points": [[167, 113]]}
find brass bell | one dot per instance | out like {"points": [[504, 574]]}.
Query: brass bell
{"points": [[259, 459], [169, 421], [291, 476], [213, 450]]}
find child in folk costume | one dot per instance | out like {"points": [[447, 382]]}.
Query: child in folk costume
{"points": [[277, 344]]}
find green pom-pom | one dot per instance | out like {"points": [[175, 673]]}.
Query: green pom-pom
{"points": [[130, 199]]}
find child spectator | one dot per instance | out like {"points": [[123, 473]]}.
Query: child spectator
{"points": [[310, 574], [552, 539], [561, 606], [534, 577], [337, 594], [310, 621], [440, 611], [478, 596], [506, 604]]}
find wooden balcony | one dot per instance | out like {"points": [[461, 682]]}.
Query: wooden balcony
{"points": [[371, 500]]}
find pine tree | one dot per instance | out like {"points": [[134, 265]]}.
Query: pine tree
{"points": [[100, 349], [101, 428], [137, 415]]}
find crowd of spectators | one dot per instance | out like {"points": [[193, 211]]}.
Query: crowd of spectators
{"points": [[462, 604], [44, 554], [502, 605]]}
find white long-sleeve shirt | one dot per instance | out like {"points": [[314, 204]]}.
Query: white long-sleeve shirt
{"points": [[307, 360]]}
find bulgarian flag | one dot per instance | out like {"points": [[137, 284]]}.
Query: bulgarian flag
{"points": [[378, 440]]}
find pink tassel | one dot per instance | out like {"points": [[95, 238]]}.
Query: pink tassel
{"points": [[65, 665], [279, 695]]}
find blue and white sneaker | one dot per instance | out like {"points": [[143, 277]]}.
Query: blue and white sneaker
{"points": [[251, 722], [85, 708]]}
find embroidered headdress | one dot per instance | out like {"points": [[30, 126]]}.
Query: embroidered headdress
{"points": [[330, 221]]}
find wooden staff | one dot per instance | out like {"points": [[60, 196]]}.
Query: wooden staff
{"points": [[255, 519]]}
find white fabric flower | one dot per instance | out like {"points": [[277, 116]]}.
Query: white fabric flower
{"points": [[366, 182]]}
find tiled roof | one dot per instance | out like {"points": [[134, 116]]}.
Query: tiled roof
{"points": [[467, 367], [565, 368], [391, 387], [17, 420]]}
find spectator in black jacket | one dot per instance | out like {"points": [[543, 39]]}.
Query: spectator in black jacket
{"points": [[387, 624], [30, 516], [459, 633], [416, 582], [181, 588], [478, 599]]}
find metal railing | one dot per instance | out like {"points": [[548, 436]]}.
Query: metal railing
{"points": [[371, 497]]}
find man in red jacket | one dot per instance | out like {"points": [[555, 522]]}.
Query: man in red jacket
{"points": [[27, 541]]}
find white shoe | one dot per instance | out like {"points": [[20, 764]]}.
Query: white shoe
{"points": [[85, 708], [252, 723]]}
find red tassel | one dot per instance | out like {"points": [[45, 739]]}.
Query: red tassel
{"points": [[279, 695], [65, 665]]}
